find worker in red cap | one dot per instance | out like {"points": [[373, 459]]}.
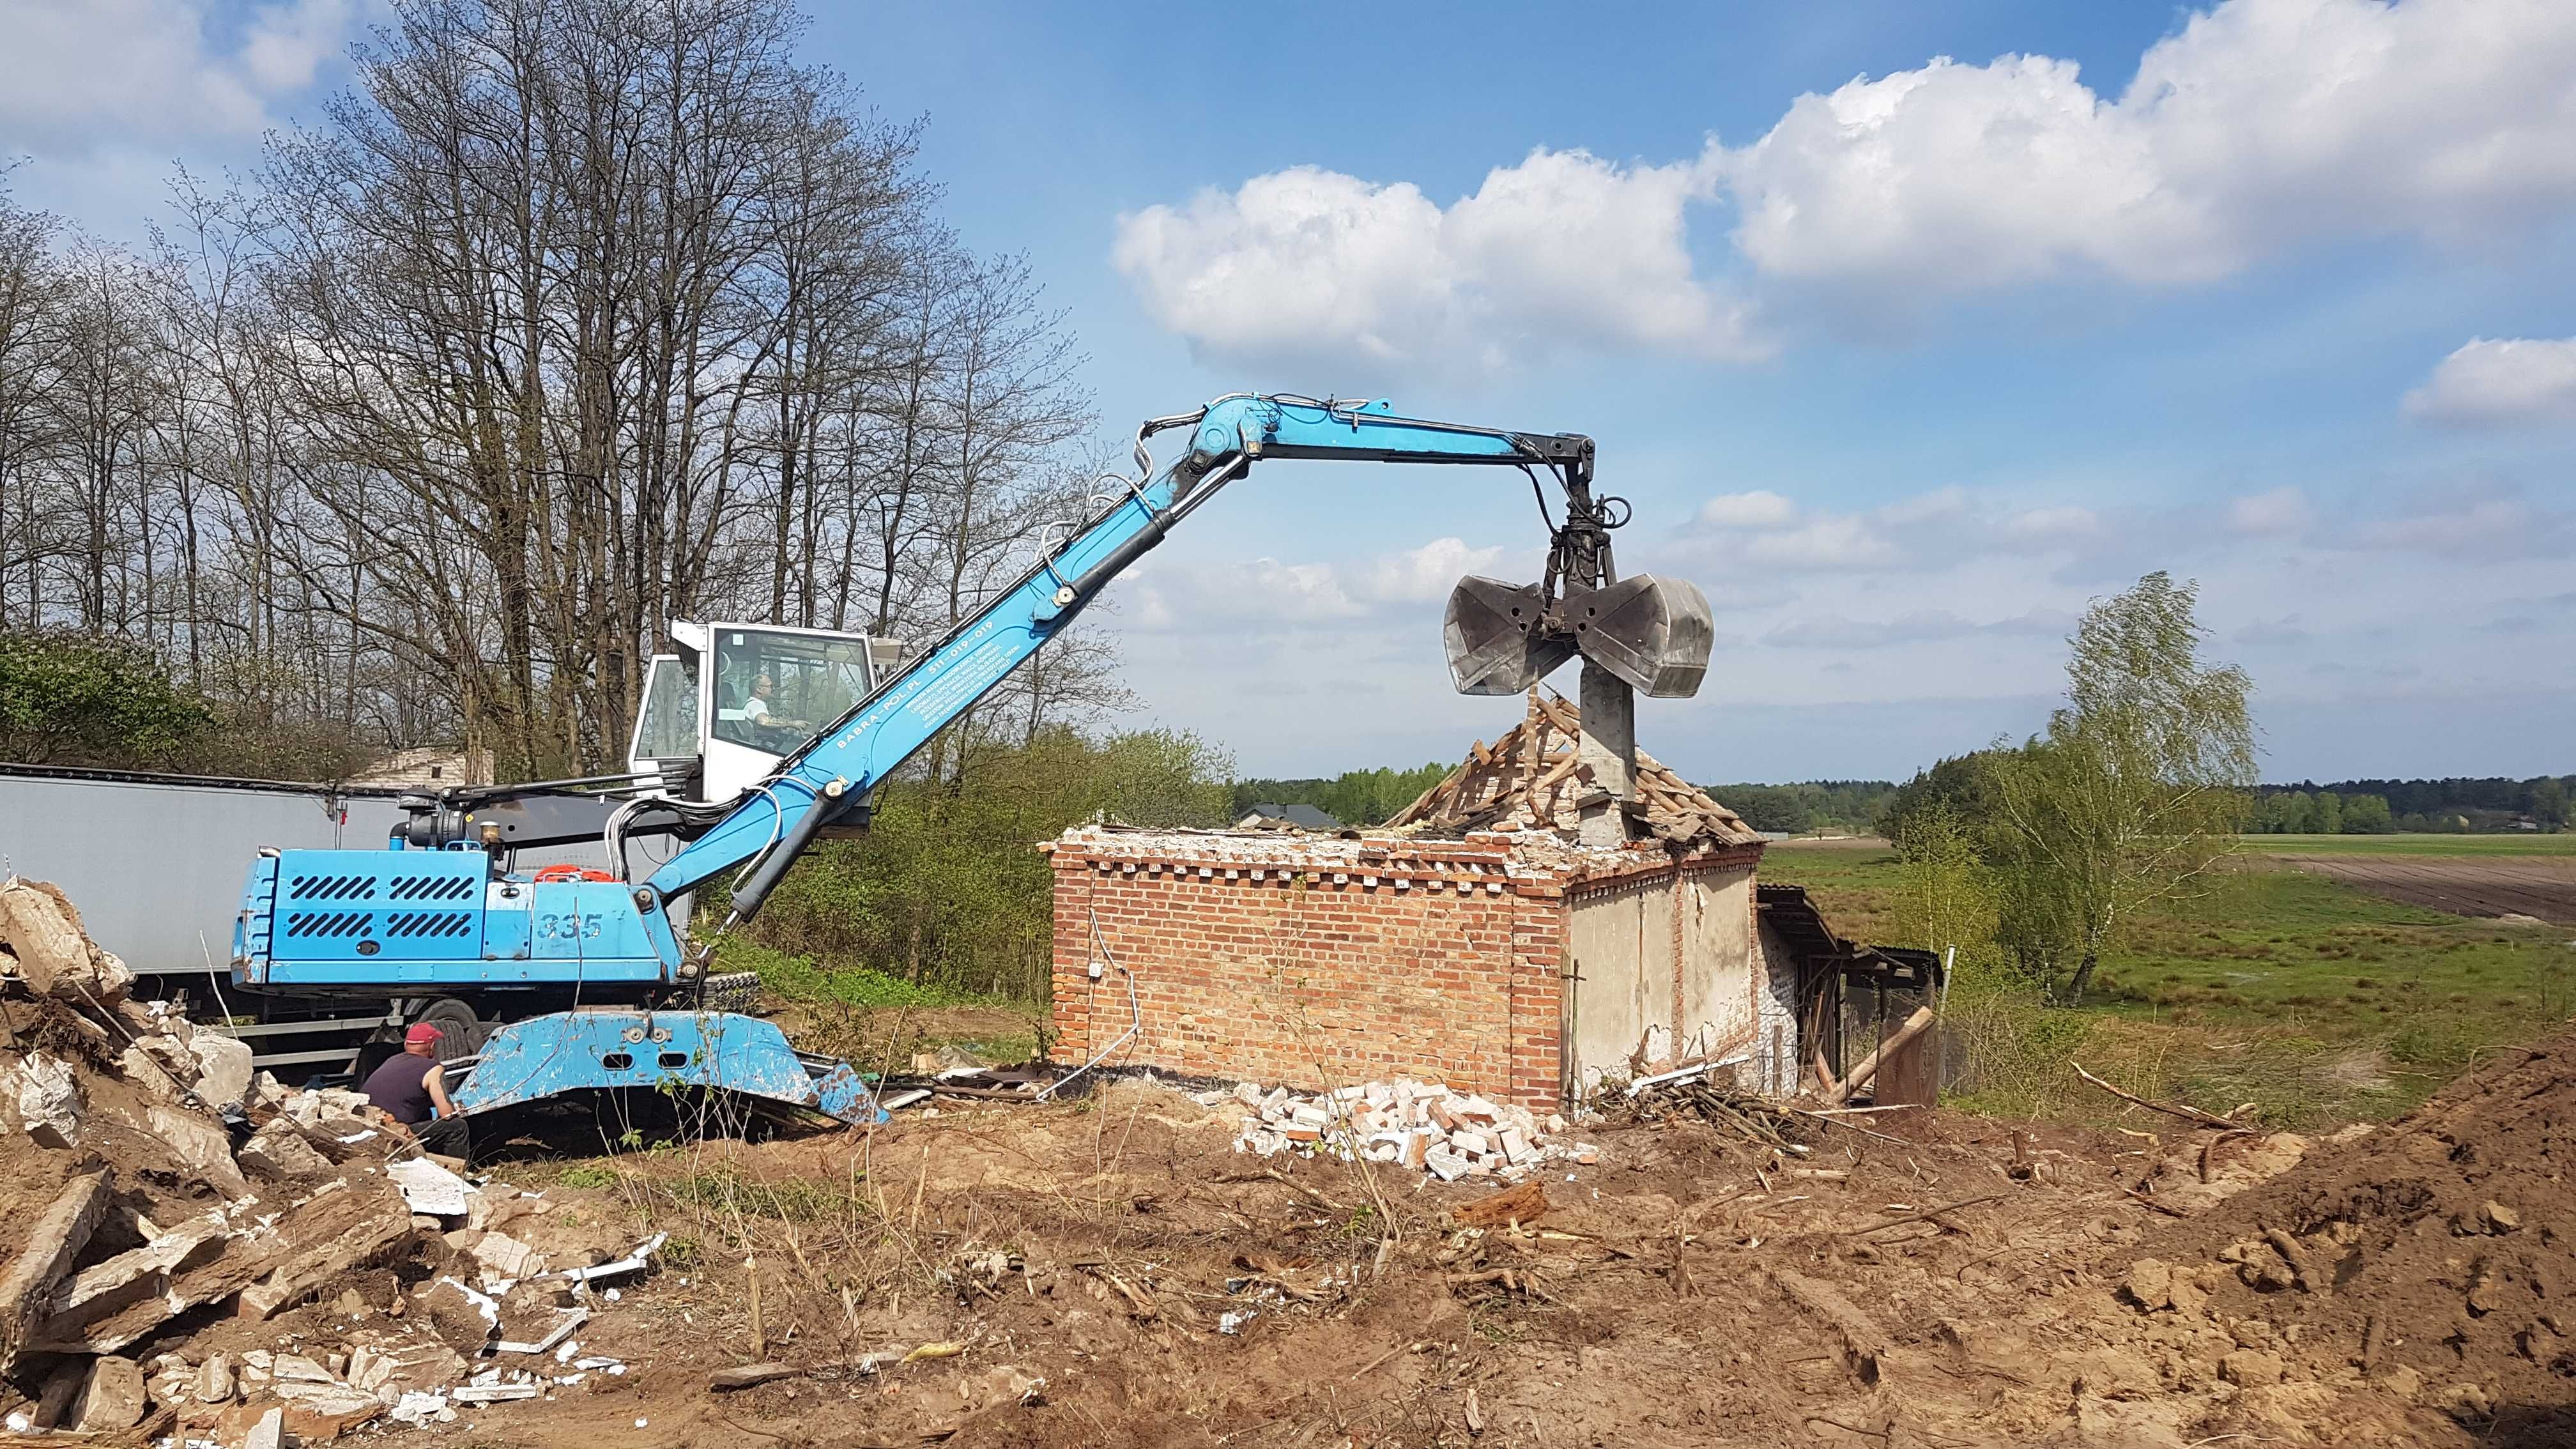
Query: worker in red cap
{"points": [[412, 1088]]}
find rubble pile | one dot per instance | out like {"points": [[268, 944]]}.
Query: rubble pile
{"points": [[1422, 1125], [191, 1250], [2431, 1256]]}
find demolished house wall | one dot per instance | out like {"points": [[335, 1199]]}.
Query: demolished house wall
{"points": [[1314, 961], [1472, 942], [1300, 959]]}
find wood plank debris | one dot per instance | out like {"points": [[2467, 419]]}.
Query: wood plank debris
{"points": [[750, 1375]]}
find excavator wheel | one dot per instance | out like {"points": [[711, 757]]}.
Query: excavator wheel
{"points": [[461, 1032], [730, 991]]}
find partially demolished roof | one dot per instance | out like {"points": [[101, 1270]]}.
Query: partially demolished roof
{"points": [[1531, 779]]}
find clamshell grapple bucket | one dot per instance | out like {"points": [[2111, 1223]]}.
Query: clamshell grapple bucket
{"points": [[1655, 633]]}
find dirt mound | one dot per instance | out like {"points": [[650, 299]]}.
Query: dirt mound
{"points": [[2436, 1256]]}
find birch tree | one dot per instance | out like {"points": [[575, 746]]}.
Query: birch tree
{"points": [[2137, 790]]}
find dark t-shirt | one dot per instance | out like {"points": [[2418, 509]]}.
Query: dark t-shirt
{"points": [[401, 1088]]}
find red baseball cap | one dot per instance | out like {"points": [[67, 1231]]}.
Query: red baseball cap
{"points": [[422, 1031]]}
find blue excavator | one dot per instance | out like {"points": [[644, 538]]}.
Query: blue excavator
{"points": [[581, 980]]}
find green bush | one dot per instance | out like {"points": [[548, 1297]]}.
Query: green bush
{"points": [[69, 699], [948, 891], [800, 978]]}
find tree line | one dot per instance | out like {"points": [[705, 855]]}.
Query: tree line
{"points": [[2457, 806], [1808, 805], [1353, 797], [568, 320]]}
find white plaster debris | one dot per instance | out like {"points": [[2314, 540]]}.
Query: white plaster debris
{"points": [[430, 1188], [1420, 1125]]}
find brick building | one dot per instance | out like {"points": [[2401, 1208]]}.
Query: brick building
{"points": [[1471, 942]]}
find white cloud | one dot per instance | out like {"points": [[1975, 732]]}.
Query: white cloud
{"points": [[1924, 626], [2474, 527], [1844, 541], [1266, 593], [1760, 508], [2282, 511], [1925, 530], [2255, 127], [79, 74], [2051, 525], [2491, 381], [1562, 248], [1425, 574], [2259, 124]]}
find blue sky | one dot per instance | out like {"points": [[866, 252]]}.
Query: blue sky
{"points": [[1901, 360]]}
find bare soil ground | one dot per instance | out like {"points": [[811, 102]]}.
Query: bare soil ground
{"points": [[2541, 887], [1694, 1288]]}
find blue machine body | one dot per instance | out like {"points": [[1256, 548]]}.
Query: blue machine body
{"points": [[428, 922], [566, 1051]]}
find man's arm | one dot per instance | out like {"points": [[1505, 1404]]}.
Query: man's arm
{"points": [[436, 1082]]}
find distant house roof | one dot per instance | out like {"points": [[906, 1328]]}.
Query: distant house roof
{"points": [[1304, 817]]}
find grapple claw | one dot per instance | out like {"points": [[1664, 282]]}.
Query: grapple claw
{"points": [[1497, 643], [1653, 632]]}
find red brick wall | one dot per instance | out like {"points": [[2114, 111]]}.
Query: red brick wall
{"points": [[1328, 967]]}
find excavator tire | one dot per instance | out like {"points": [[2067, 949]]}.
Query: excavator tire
{"points": [[730, 991]]}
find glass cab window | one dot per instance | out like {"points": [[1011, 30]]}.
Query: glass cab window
{"points": [[667, 728], [774, 689]]}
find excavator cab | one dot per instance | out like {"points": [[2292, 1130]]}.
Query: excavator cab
{"points": [[732, 699]]}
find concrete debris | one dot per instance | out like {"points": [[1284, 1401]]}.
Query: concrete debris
{"points": [[162, 1234], [27, 1292], [1421, 1126], [280, 1153], [420, 1410], [495, 1393], [202, 1146], [47, 1096], [395, 1372], [223, 1067], [555, 1334], [44, 945], [214, 1382], [505, 1257], [465, 1318], [112, 1398]]}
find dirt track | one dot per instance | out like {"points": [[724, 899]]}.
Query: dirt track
{"points": [[2540, 887]]}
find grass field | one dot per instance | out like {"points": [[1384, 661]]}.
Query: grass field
{"points": [[2563, 843], [2317, 1001]]}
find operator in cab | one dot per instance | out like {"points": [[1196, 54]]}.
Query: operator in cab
{"points": [[412, 1090]]}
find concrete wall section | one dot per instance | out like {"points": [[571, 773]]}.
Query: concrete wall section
{"points": [[1619, 938], [1720, 996]]}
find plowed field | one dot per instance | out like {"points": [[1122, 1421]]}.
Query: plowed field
{"points": [[2542, 887]]}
